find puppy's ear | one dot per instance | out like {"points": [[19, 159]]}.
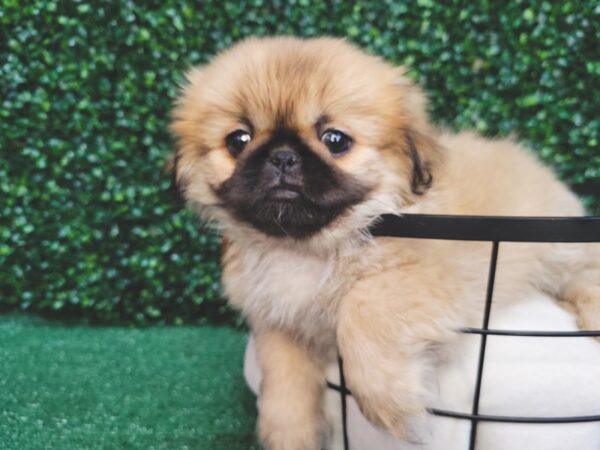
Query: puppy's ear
{"points": [[421, 174], [418, 135], [183, 127]]}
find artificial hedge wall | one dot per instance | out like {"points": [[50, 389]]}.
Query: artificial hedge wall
{"points": [[87, 226]]}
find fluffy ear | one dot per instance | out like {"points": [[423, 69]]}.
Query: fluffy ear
{"points": [[421, 151], [418, 135], [184, 119]]}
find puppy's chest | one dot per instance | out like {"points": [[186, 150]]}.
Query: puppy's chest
{"points": [[286, 289]]}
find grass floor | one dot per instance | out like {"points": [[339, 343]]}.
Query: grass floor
{"points": [[72, 387]]}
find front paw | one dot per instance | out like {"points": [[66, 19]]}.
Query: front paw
{"points": [[288, 429], [391, 402]]}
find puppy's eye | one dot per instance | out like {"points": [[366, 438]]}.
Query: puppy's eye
{"points": [[337, 142], [236, 141]]}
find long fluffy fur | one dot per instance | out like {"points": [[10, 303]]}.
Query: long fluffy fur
{"points": [[386, 304]]}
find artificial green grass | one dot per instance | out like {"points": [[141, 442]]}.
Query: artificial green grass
{"points": [[74, 387]]}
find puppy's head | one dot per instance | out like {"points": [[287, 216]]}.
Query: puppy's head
{"points": [[294, 137]]}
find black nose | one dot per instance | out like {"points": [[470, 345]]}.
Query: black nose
{"points": [[284, 159]]}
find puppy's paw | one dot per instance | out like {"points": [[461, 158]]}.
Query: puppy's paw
{"points": [[393, 402], [288, 429], [401, 419]]}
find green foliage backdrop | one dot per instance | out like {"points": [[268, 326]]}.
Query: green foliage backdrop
{"points": [[87, 226]]}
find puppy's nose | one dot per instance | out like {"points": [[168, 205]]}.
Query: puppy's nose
{"points": [[284, 159]]}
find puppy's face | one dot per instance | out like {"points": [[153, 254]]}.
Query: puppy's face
{"points": [[290, 137]]}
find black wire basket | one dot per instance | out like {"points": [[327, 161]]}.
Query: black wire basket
{"points": [[494, 230]]}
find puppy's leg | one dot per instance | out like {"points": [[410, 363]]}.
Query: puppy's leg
{"points": [[290, 394], [387, 327]]}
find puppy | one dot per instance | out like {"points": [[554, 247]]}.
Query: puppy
{"points": [[292, 148]]}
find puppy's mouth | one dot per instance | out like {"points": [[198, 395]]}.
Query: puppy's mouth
{"points": [[285, 189], [284, 193]]}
